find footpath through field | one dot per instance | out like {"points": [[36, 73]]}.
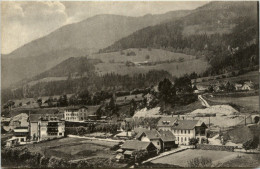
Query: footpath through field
{"points": [[179, 149]]}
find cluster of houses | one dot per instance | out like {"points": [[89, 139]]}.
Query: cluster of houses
{"points": [[170, 133], [217, 86], [40, 127]]}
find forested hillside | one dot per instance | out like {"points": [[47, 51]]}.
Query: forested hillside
{"points": [[91, 82], [223, 32], [74, 40]]}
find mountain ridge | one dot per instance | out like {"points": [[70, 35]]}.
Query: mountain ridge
{"points": [[84, 37]]}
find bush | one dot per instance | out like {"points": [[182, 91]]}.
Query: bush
{"points": [[115, 147], [131, 53], [200, 162]]}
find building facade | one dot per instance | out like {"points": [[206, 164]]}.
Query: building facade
{"points": [[184, 130], [43, 127], [76, 113]]}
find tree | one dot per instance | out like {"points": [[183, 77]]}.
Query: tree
{"points": [[133, 107], [140, 155], [167, 92], [251, 144], [193, 141], [112, 107], [39, 101], [84, 97], [183, 84], [63, 100]]}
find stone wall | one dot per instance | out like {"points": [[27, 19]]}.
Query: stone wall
{"points": [[215, 147]]}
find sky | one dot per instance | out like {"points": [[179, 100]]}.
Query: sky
{"points": [[22, 22]]}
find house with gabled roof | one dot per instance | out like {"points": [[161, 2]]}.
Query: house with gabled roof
{"points": [[184, 130], [248, 85], [168, 140], [128, 148], [162, 140], [151, 136]]}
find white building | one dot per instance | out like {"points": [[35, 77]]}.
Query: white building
{"points": [[183, 130], [76, 113], [21, 136], [47, 126]]}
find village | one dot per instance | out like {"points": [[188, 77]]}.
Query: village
{"points": [[147, 137], [131, 84]]}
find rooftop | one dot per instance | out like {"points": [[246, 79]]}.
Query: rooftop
{"points": [[151, 134], [135, 145], [186, 124], [167, 136], [38, 117], [166, 121]]}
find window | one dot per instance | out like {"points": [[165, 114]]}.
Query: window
{"points": [[181, 131], [185, 131], [158, 143], [181, 139], [184, 138], [22, 139], [189, 131], [60, 134], [178, 139]]}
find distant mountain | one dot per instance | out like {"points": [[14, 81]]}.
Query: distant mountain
{"points": [[215, 17], [220, 31], [73, 40]]}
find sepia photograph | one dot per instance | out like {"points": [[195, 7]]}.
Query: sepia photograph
{"points": [[130, 84]]}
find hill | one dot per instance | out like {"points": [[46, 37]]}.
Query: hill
{"points": [[73, 40], [101, 64], [226, 33]]}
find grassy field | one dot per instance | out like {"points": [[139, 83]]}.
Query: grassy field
{"points": [[154, 56], [176, 69], [182, 158], [247, 104], [253, 76], [246, 160], [115, 62], [74, 148]]}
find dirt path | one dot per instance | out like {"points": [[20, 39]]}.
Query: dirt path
{"points": [[203, 101]]}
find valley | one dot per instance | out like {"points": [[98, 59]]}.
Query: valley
{"points": [[123, 88]]}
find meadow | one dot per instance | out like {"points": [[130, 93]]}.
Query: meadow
{"points": [[182, 158], [116, 62], [74, 148], [247, 104]]}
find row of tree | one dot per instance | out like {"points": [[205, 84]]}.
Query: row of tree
{"points": [[25, 158], [94, 83]]}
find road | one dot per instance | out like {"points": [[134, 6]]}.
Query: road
{"points": [[203, 101]]}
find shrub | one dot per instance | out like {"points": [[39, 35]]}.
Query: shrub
{"points": [[131, 53], [115, 147], [200, 162], [193, 141]]}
